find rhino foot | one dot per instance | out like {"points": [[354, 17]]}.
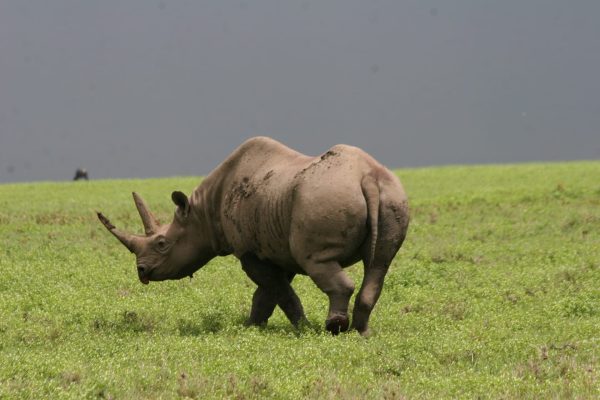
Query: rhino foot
{"points": [[250, 322], [366, 333], [338, 323]]}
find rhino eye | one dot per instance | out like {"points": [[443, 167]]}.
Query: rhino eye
{"points": [[162, 245]]}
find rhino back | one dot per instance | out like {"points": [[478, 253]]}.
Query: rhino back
{"points": [[265, 196], [247, 199]]}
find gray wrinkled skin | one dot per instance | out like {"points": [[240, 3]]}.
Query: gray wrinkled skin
{"points": [[283, 213]]}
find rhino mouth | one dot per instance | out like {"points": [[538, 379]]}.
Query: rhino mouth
{"points": [[144, 274]]}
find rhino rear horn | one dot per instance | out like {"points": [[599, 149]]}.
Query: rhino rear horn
{"points": [[150, 223]]}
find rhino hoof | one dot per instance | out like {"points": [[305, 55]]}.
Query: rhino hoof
{"points": [[365, 333], [337, 324]]}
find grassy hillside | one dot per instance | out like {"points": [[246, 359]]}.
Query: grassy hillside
{"points": [[496, 294]]}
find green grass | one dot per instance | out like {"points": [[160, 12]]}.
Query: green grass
{"points": [[496, 294]]}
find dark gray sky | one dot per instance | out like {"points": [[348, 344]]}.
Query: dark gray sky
{"points": [[161, 88]]}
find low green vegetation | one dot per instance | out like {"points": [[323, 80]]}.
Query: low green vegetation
{"points": [[495, 294]]}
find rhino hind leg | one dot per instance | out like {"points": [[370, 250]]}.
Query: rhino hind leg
{"points": [[367, 297], [335, 283], [393, 224], [273, 289]]}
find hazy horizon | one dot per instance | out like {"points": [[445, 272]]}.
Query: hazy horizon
{"points": [[169, 88]]}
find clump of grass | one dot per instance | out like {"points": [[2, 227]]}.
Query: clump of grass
{"points": [[126, 321], [191, 388], [70, 378]]}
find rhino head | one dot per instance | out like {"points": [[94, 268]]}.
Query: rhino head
{"points": [[171, 251]]}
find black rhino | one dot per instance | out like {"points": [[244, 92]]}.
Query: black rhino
{"points": [[283, 213]]}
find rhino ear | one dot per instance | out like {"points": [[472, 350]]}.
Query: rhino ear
{"points": [[182, 203]]}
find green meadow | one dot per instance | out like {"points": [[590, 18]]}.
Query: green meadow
{"points": [[495, 294]]}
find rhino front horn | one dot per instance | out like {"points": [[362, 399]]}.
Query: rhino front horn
{"points": [[127, 239], [150, 223]]}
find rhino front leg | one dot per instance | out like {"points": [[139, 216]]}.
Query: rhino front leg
{"points": [[273, 289], [263, 305]]}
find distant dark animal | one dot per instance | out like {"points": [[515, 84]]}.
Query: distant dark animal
{"points": [[283, 213], [81, 174]]}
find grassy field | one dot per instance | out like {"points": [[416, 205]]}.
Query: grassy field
{"points": [[495, 294]]}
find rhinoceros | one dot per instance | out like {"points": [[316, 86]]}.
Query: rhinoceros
{"points": [[283, 213]]}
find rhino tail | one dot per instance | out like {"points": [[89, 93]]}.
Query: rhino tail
{"points": [[370, 189]]}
